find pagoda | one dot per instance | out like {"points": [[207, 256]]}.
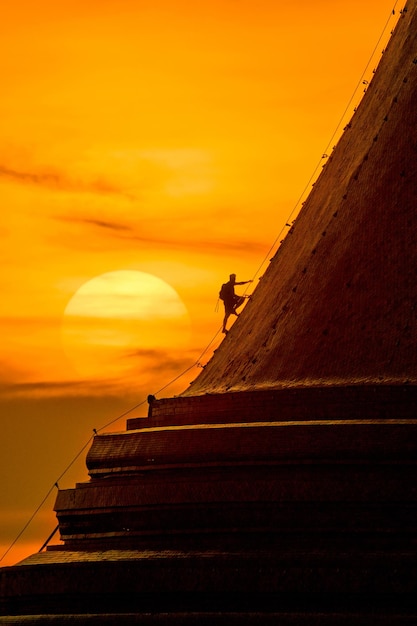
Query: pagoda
{"points": [[280, 487]]}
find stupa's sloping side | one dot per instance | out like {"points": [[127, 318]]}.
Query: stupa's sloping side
{"points": [[337, 304]]}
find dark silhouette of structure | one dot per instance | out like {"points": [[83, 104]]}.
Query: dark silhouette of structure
{"points": [[231, 301], [280, 487]]}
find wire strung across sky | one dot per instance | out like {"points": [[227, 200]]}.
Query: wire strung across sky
{"points": [[197, 363], [330, 142]]}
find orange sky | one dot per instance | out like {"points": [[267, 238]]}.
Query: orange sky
{"points": [[171, 138]]}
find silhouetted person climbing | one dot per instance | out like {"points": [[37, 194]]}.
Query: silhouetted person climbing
{"points": [[230, 300]]}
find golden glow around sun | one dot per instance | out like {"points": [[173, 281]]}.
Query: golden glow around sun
{"points": [[120, 320]]}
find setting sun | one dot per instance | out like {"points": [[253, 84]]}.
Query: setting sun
{"points": [[119, 320]]}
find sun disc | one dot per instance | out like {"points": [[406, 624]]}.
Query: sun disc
{"points": [[120, 320]]}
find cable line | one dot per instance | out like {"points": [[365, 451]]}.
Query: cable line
{"points": [[45, 499], [330, 142]]}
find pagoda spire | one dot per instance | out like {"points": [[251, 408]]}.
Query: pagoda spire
{"points": [[338, 302]]}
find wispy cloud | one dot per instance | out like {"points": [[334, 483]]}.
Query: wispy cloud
{"points": [[161, 369], [117, 228], [109, 225], [176, 240], [65, 389], [163, 360], [56, 180]]}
